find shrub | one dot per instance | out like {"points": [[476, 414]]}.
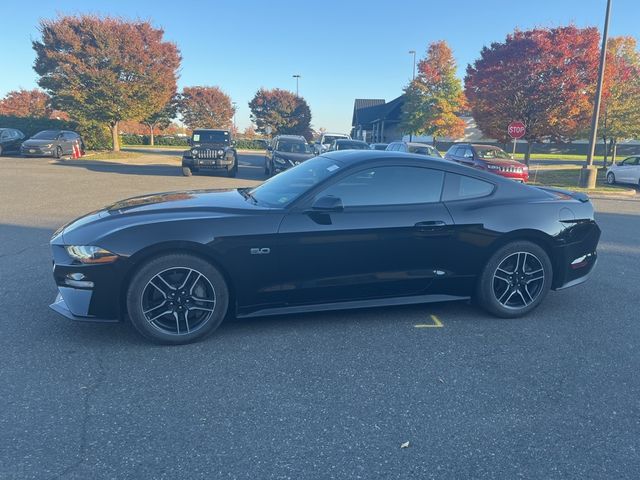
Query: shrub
{"points": [[96, 136]]}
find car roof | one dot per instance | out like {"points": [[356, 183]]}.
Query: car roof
{"points": [[348, 140], [291, 137], [210, 130], [419, 144]]}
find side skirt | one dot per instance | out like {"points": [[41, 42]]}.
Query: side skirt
{"points": [[378, 302]]}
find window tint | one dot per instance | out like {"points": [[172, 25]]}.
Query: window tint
{"points": [[460, 187], [459, 151], [388, 186]]}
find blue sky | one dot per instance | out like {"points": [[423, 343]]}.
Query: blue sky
{"points": [[343, 49]]}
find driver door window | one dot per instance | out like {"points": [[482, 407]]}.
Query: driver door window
{"points": [[388, 186]]}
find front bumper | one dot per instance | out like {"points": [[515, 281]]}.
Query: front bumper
{"points": [[97, 296], [207, 163], [37, 152], [60, 306]]}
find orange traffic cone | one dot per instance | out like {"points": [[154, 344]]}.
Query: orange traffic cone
{"points": [[76, 151]]}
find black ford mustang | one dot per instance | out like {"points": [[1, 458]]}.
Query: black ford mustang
{"points": [[342, 230]]}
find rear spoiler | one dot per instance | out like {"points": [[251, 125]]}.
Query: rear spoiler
{"points": [[559, 192]]}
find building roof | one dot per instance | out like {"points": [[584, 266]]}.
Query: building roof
{"points": [[361, 104], [366, 115]]}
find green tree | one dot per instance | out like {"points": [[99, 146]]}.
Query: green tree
{"points": [[281, 111], [106, 69], [206, 107], [162, 118], [434, 98]]}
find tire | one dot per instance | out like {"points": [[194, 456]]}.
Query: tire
{"points": [[267, 171], [163, 312], [611, 178], [515, 280], [0, 150], [186, 171], [233, 171], [58, 152]]}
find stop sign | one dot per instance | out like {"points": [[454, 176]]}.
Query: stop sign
{"points": [[516, 129]]}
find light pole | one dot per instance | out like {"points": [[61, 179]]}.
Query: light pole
{"points": [[589, 173], [234, 117], [413, 52], [297, 77]]}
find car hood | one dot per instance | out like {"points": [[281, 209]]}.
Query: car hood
{"points": [[37, 142], [155, 208], [209, 145], [504, 162], [294, 157]]}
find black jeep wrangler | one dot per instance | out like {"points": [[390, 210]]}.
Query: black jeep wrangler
{"points": [[211, 150]]}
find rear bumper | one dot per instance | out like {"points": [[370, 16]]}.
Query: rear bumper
{"points": [[576, 259]]}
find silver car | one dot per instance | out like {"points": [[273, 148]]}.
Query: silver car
{"points": [[51, 143], [627, 171]]}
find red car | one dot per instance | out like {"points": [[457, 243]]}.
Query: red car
{"points": [[489, 158]]}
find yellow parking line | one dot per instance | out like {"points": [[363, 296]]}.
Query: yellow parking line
{"points": [[436, 323]]}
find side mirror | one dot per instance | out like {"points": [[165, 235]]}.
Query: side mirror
{"points": [[327, 204]]}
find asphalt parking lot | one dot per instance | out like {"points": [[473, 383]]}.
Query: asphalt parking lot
{"points": [[330, 395]]}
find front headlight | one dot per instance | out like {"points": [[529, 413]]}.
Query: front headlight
{"points": [[280, 160], [220, 153], [194, 152], [48, 145], [90, 254]]}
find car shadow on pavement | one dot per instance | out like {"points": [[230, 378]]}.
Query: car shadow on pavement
{"points": [[156, 169]]}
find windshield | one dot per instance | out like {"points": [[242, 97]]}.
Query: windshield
{"points": [[292, 147], [328, 139], [210, 137], [46, 135], [423, 150], [351, 146], [494, 152], [290, 184]]}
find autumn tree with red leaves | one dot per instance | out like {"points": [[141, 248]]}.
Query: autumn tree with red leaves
{"points": [[620, 110], [26, 103], [434, 99], [544, 77], [282, 111], [106, 69], [206, 107]]}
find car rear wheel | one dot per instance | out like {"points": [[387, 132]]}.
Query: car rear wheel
{"points": [[177, 299], [515, 280], [186, 171], [611, 178]]}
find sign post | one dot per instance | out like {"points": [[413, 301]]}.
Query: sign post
{"points": [[516, 130]]}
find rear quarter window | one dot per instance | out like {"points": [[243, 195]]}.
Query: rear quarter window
{"points": [[461, 187]]}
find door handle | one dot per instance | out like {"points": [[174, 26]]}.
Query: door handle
{"points": [[430, 225]]}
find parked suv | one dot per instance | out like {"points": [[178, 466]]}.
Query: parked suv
{"points": [[51, 143], [284, 152], [10, 140], [326, 139], [413, 147], [212, 151], [489, 158]]}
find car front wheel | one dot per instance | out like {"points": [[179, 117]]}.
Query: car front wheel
{"points": [[515, 280], [177, 299], [611, 178]]}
